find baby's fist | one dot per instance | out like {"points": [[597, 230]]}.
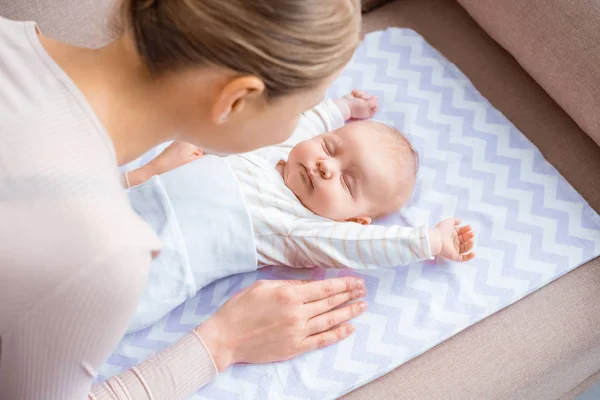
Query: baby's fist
{"points": [[361, 104], [451, 241]]}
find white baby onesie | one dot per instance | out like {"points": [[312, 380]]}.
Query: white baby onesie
{"points": [[287, 233], [222, 216]]}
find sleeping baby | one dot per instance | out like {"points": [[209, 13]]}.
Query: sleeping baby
{"points": [[307, 202]]}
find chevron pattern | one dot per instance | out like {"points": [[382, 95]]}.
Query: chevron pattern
{"points": [[532, 228]]}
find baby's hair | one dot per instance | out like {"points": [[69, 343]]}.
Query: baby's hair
{"points": [[397, 142], [400, 150]]}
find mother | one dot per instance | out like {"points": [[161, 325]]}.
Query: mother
{"points": [[229, 76]]}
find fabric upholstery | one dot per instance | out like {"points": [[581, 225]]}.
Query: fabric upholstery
{"points": [[558, 43], [368, 5], [87, 23], [582, 387]]}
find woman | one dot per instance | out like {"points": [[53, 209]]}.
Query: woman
{"points": [[73, 255]]}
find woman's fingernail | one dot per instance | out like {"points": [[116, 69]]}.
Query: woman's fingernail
{"points": [[362, 306], [349, 330], [359, 293], [358, 283]]}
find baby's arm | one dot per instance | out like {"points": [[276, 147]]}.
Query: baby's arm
{"points": [[332, 114], [357, 105], [346, 244], [175, 155]]}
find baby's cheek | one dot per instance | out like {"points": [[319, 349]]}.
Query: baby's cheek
{"points": [[332, 205]]}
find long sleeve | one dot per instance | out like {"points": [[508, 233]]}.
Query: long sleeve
{"points": [[175, 373], [336, 244], [324, 117], [62, 332]]}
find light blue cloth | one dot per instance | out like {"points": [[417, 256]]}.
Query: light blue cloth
{"points": [[199, 213]]}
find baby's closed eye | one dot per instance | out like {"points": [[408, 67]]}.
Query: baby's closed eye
{"points": [[345, 184], [328, 147]]}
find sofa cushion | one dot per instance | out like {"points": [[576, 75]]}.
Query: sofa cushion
{"points": [[368, 5], [557, 42], [87, 23]]}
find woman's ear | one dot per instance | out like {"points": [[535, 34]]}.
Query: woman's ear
{"points": [[360, 220], [234, 96]]}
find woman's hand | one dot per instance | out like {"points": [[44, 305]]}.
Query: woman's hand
{"points": [[175, 155], [277, 320], [449, 240]]}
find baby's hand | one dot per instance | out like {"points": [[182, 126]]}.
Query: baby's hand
{"points": [[177, 154], [450, 241], [358, 105]]}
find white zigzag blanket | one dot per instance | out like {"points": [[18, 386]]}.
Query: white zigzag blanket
{"points": [[532, 228]]}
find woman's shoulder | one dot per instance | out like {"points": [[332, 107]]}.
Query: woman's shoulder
{"points": [[60, 192]]}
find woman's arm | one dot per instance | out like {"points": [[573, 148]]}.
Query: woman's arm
{"points": [[174, 373], [295, 317], [54, 349]]}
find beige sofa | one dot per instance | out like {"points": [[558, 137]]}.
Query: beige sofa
{"points": [[546, 80]]}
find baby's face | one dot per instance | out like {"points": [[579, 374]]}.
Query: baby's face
{"points": [[344, 175]]}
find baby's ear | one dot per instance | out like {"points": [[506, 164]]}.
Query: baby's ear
{"points": [[360, 220]]}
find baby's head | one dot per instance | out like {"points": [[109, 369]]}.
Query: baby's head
{"points": [[361, 171]]}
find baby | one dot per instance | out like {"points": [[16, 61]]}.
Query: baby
{"points": [[309, 201]]}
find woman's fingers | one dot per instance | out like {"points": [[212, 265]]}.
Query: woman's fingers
{"points": [[328, 320], [324, 305], [292, 282], [319, 290], [328, 338]]}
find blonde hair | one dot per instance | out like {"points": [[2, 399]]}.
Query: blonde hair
{"points": [[291, 45]]}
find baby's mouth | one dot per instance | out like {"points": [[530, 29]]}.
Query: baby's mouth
{"points": [[308, 178]]}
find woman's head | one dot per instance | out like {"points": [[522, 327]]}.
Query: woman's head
{"points": [[266, 60]]}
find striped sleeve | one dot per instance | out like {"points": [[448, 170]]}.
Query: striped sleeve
{"points": [[347, 244], [324, 117]]}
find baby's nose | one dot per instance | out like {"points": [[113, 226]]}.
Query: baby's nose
{"points": [[325, 169]]}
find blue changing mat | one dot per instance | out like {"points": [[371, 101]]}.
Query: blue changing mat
{"points": [[532, 228]]}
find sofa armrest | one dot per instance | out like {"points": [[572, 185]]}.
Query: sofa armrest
{"points": [[558, 43]]}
